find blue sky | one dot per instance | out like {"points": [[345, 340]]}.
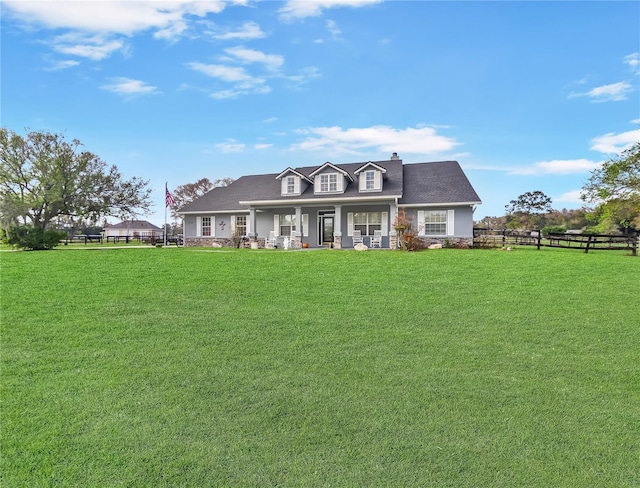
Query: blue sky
{"points": [[525, 95]]}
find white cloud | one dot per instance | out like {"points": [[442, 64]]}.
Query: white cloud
{"points": [[227, 94], [129, 88], [115, 17], [305, 75], [334, 30], [633, 60], [93, 47], [569, 197], [300, 9], [262, 146], [249, 30], [99, 26], [225, 73], [270, 120], [381, 138], [635, 121], [60, 65], [615, 143], [271, 61], [231, 146], [557, 167], [613, 92]]}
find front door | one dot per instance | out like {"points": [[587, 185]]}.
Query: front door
{"points": [[326, 230]]}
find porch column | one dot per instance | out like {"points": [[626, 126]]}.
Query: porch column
{"points": [[252, 235], [337, 227], [393, 237], [296, 236]]}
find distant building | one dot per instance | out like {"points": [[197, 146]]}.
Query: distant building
{"points": [[133, 228]]}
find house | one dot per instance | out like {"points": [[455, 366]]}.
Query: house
{"points": [[137, 229], [329, 204]]}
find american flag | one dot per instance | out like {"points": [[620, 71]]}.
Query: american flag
{"points": [[168, 198]]}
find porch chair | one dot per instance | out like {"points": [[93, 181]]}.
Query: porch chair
{"points": [[376, 240], [357, 238], [270, 242]]}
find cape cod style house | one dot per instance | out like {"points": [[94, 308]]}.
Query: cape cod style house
{"points": [[335, 205]]}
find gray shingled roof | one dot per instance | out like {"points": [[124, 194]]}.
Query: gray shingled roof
{"points": [[442, 182], [439, 182], [133, 224]]}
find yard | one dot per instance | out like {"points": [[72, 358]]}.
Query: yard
{"points": [[180, 367]]}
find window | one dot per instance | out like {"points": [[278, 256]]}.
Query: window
{"points": [[435, 222], [241, 225], [291, 184], [369, 180], [287, 224], [206, 227], [367, 222], [329, 182]]}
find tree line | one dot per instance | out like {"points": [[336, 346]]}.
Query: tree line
{"points": [[611, 196]]}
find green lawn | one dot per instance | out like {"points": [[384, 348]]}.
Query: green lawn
{"points": [[177, 367]]}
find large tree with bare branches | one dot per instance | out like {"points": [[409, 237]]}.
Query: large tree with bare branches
{"points": [[45, 179], [189, 192]]}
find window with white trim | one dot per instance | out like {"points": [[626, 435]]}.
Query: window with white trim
{"points": [[367, 222], [206, 227], [370, 180], [241, 225], [291, 184], [435, 222], [329, 182], [287, 224]]}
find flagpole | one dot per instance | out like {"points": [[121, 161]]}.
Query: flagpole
{"points": [[166, 189]]}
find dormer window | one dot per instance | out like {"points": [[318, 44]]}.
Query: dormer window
{"points": [[370, 177], [291, 184], [369, 180], [329, 182], [329, 178]]}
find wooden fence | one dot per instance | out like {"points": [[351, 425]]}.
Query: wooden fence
{"points": [[488, 238]]}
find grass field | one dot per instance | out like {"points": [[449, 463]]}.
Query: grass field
{"points": [[177, 367]]}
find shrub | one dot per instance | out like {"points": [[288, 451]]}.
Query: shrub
{"points": [[553, 229], [34, 238], [408, 239]]}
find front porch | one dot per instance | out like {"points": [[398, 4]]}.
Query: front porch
{"points": [[327, 226]]}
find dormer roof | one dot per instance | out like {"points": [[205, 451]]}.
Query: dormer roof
{"points": [[333, 167], [372, 165], [294, 172]]}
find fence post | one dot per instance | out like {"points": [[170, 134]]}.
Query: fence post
{"points": [[586, 249], [539, 238], [636, 245]]}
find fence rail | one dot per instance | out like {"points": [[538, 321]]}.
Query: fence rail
{"points": [[488, 238]]}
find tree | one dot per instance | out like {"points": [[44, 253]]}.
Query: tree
{"points": [[615, 188], [491, 222], [526, 209], [44, 180], [189, 192]]}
